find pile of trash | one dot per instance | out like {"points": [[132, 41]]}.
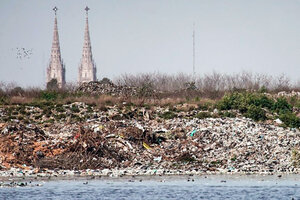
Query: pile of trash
{"points": [[202, 145], [19, 144], [106, 86], [288, 94]]}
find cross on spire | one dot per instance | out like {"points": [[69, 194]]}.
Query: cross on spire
{"points": [[55, 9], [87, 10]]}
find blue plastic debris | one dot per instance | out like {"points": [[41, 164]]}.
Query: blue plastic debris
{"points": [[193, 132]]}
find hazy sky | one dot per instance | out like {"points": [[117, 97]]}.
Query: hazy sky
{"points": [[133, 36]]}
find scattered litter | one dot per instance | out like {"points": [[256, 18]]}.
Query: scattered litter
{"points": [[278, 121], [146, 145], [193, 132], [157, 159]]}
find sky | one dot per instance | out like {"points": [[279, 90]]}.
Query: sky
{"points": [[140, 36]]}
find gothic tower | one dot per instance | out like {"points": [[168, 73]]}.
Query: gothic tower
{"points": [[87, 67], [56, 69]]}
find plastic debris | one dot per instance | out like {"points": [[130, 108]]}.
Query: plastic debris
{"points": [[278, 121], [146, 146], [193, 132], [157, 159]]}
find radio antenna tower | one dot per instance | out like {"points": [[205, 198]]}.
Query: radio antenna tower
{"points": [[194, 71]]}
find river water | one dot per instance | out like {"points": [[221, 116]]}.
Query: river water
{"points": [[150, 188]]}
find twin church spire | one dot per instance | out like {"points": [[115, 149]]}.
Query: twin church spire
{"points": [[87, 67], [56, 69]]}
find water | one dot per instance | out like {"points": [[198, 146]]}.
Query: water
{"points": [[211, 187]]}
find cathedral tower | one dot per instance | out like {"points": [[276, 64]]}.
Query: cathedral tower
{"points": [[87, 68], [56, 69]]}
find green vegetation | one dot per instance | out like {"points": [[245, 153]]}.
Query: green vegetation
{"points": [[203, 115], [75, 109], [256, 113], [49, 95], [59, 109], [227, 114], [290, 119], [282, 106], [241, 101], [257, 105], [204, 106], [215, 163], [168, 115]]}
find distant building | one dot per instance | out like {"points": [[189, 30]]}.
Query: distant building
{"points": [[87, 67], [56, 68]]}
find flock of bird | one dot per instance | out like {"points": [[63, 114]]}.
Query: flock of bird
{"points": [[23, 53]]}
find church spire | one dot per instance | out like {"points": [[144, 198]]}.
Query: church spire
{"points": [[87, 67], [56, 68]]}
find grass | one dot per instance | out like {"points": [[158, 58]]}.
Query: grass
{"points": [[168, 115]]}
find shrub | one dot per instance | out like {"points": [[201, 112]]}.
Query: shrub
{"points": [[263, 89], [256, 113], [49, 95], [262, 100], [203, 106], [203, 115], [250, 104], [228, 114], [282, 106], [230, 101], [290, 119], [168, 115], [241, 101]]}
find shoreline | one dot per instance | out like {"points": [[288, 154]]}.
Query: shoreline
{"points": [[18, 175]]}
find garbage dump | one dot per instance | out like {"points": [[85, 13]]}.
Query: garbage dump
{"points": [[111, 140]]}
